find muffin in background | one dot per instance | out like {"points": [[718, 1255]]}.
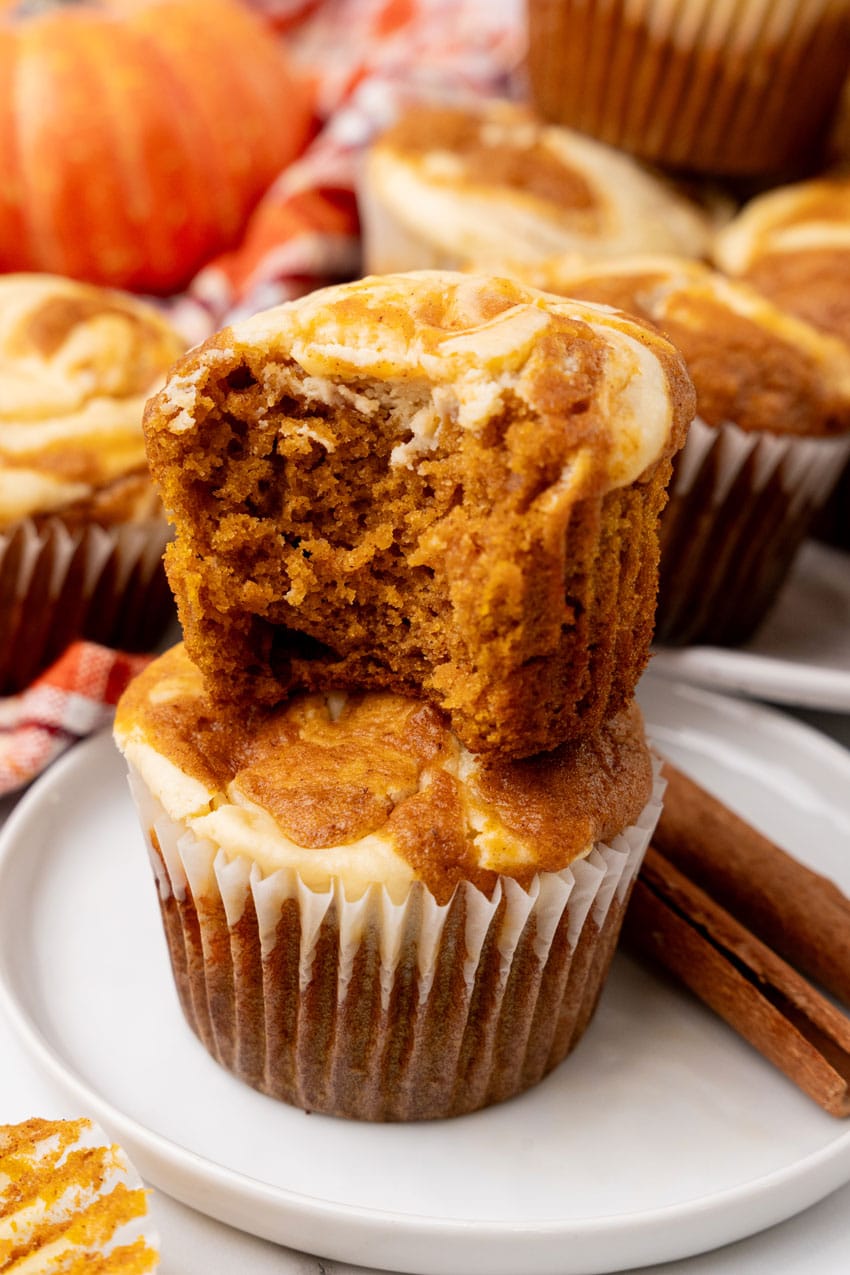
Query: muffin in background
{"points": [[767, 446], [363, 918], [490, 181], [81, 528], [838, 151], [70, 1201], [793, 244], [734, 87], [440, 484]]}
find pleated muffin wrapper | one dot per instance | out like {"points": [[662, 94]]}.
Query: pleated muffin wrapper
{"points": [[735, 87], [107, 585], [378, 1010], [741, 503]]}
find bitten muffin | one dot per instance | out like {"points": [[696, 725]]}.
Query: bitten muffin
{"points": [[445, 185], [767, 446], [432, 483], [70, 1202], [81, 527], [363, 918], [737, 87]]}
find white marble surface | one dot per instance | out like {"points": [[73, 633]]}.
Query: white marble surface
{"points": [[816, 1242]]}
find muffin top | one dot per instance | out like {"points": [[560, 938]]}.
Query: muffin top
{"points": [[373, 787], [447, 349], [76, 366], [793, 244], [70, 1201], [751, 361], [494, 181]]}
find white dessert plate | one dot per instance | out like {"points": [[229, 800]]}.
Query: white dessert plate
{"points": [[800, 654], [663, 1135]]}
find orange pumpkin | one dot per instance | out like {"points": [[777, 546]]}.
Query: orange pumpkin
{"points": [[136, 135]]}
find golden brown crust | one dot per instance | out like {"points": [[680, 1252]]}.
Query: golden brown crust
{"points": [[450, 184], [131, 498], [811, 284], [384, 764], [76, 364], [793, 244], [517, 158], [752, 362], [447, 521]]}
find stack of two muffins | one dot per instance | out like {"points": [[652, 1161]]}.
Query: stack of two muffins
{"points": [[395, 787]]}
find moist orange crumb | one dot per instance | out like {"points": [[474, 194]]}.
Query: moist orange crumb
{"points": [[435, 484], [69, 1203]]}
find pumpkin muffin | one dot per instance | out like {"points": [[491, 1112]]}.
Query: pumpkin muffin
{"points": [[446, 184], [771, 434], [366, 920], [81, 528], [437, 484], [793, 244], [70, 1202], [735, 87]]}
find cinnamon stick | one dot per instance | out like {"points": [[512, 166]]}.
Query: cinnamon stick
{"points": [[756, 992], [795, 911]]}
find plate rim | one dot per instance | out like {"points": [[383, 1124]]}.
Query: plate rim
{"points": [[818, 1172], [739, 670]]}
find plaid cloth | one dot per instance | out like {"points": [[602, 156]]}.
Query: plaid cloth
{"points": [[74, 697], [366, 58]]}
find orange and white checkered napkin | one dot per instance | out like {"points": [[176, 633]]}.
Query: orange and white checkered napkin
{"points": [[366, 58], [74, 697]]}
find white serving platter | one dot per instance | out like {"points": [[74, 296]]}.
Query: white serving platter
{"points": [[662, 1136]]}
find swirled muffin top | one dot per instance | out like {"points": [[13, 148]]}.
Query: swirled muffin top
{"points": [[373, 788], [752, 362], [456, 349], [76, 366], [372, 486], [793, 244], [494, 181]]}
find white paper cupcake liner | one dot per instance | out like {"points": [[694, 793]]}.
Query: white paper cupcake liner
{"points": [[379, 1010], [740, 505], [56, 585]]}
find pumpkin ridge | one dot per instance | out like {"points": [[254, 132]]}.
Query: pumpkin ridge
{"points": [[136, 138]]}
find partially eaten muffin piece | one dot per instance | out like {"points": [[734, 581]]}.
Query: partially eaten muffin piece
{"points": [[71, 1203], [441, 484]]}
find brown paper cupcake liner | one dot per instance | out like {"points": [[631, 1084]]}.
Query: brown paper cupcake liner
{"points": [[740, 505], [56, 585], [713, 86], [379, 1010]]}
